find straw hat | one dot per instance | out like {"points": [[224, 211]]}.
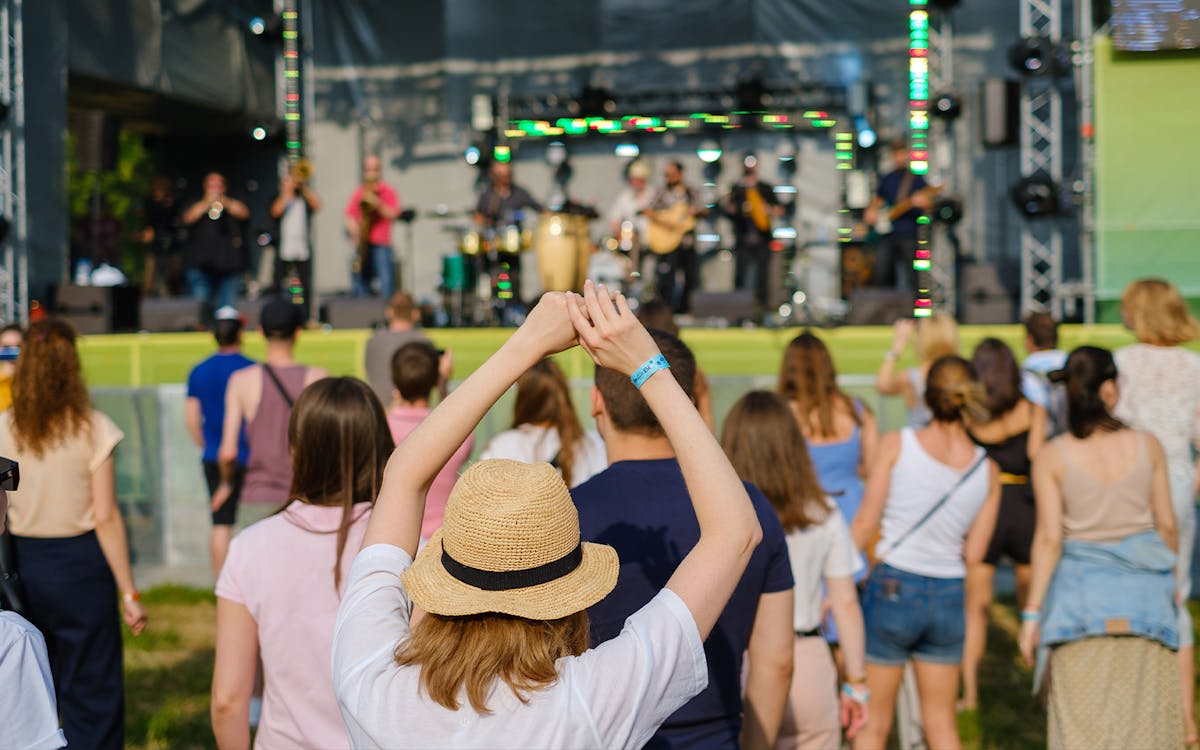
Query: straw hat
{"points": [[510, 544]]}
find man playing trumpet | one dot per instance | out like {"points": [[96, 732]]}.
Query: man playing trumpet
{"points": [[296, 202], [369, 216], [216, 253]]}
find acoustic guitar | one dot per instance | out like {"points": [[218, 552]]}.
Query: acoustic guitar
{"points": [[665, 229]]}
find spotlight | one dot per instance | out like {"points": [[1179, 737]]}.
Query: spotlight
{"points": [[946, 105], [786, 150], [709, 152], [259, 133], [867, 137], [627, 150], [472, 155], [258, 26], [1038, 56], [556, 153], [1036, 196], [948, 210]]}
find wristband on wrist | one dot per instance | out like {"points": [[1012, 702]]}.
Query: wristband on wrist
{"points": [[854, 694], [131, 597], [1030, 615], [648, 368]]}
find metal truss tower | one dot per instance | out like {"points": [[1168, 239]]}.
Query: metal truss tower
{"points": [[942, 150], [1041, 154], [14, 256]]}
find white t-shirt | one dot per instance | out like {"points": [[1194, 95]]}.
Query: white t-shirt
{"points": [[28, 715], [918, 482], [614, 695], [532, 443], [823, 550], [293, 230]]}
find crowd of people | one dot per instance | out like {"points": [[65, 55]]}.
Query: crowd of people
{"points": [[798, 580]]}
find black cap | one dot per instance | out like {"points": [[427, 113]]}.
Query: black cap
{"points": [[280, 318]]}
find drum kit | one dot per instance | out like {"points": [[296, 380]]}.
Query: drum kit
{"points": [[476, 278]]}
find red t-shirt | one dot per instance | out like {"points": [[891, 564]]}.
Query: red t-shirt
{"points": [[381, 228]]}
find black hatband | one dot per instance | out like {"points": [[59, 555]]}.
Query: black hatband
{"points": [[504, 580]]}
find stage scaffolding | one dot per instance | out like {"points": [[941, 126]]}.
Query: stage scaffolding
{"points": [[14, 258]]}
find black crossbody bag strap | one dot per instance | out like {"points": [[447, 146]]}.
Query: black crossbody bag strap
{"points": [[278, 384], [936, 507]]}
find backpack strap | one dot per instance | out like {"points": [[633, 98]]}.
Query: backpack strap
{"points": [[287, 398]]}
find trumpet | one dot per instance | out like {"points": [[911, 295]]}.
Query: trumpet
{"points": [[302, 171]]}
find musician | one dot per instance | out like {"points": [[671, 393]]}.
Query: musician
{"points": [[682, 259], [292, 208], [161, 212], [896, 247], [503, 204], [216, 253], [369, 215], [751, 205]]}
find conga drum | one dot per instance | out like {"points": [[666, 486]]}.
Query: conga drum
{"points": [[562, 247], [458, 273]]}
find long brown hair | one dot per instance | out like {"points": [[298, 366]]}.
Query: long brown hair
{"points": [[544, 398], [765, 446], [1087, 369], [476, 650], [808, 379], [999, 374], [50, 397], [340, 444]]}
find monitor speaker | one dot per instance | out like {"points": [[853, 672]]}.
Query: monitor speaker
{"points": [[879, 307], [354, 312], [161, 315], [98, 309], [732, 306]]}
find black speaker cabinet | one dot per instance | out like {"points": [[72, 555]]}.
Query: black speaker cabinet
{"points": [[354, 312], [160, 315], [98, 309], [732, 306], [879, 307], [1000, 112]]}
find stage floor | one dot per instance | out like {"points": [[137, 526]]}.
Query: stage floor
{"points": [[148, 359]]}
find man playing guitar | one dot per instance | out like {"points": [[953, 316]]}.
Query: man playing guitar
{"points": [[752, 206], [369, 216], [670, 235], [906, 197]]}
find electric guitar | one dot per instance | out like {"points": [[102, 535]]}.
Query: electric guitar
{"points": [[883, 224], [665, 229]]}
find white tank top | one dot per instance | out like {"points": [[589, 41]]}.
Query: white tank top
{"points": [[918, 482]]}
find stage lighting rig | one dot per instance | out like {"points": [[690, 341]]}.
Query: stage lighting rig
{"points": [[1037, 196], [268, 28], [947, 210], [709, 152], [1035, 56], [946, 106]]}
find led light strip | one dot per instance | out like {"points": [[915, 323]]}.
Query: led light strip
{"points": [[291, 81], [918, 154]]}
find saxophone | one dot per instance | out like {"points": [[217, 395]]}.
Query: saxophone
{"points": [[367, 208]]}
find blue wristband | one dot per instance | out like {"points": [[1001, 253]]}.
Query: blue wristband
{"points": [[648, 368], [858, 696], [1030, 615]]}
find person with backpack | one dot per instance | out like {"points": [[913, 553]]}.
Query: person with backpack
{"points": [[1041, 341]]}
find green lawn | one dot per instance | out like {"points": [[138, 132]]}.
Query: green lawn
{"points": [[168, 670], [153, 359]]}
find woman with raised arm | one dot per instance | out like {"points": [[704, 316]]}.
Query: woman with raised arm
{"points": [[501, 658], [936, 337], [766, 448], [934, 494], [1102, 594], [1012, 434], [547, 428], [279, 588]]}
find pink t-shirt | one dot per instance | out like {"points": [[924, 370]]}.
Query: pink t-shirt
{"points": [[381, 228], [281, 570], [404, 420]]}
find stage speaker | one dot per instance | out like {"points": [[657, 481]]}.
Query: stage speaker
{"points": [[879, 307], [982, 298], [96, 140], [251, 309], [732, 306], [1000, 112], [354, 312], [160, 315], [98, 309]]}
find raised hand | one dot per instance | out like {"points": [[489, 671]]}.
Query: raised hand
{"points": [[548, 326], [609, 331]]}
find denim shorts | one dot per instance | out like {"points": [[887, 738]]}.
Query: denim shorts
{"points": [[910, 616]]}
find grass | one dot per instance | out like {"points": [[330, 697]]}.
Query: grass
{"points": [[168, 671], [154, 359]]}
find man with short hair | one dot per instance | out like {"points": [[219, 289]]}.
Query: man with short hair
{"points": [[675, 210], [1041, 341], [217, 252], [403, 319], [204, 414], [898, 241], [369, 214], [640, 506], [417, 369], [260, 398], [752, 207]]}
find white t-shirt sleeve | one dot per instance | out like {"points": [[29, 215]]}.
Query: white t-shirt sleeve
{"points": [[28, 715], [632, 683], [510, 444], [842, 560], [372, 619]]}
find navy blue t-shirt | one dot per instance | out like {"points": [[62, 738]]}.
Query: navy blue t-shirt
{"points": [[642, 509], [207, 382], [889, 190]]}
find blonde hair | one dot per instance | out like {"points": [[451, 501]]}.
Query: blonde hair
{"points": [[474, 651], [1157, 314], [937, 337], [953, 392]]}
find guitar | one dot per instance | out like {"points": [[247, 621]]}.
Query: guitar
{"points": [[883, 224], [667, 228]]}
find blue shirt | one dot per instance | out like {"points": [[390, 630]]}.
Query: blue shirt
{"points": [[206, 383], [642, 508], [904, 225]]}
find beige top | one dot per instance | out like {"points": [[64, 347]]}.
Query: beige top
{"points": [[1095, 510], [55, 498]]}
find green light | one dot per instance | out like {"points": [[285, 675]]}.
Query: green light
{"points": [[502, 154], [922, 312], [920, 265], [923, 220]]}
